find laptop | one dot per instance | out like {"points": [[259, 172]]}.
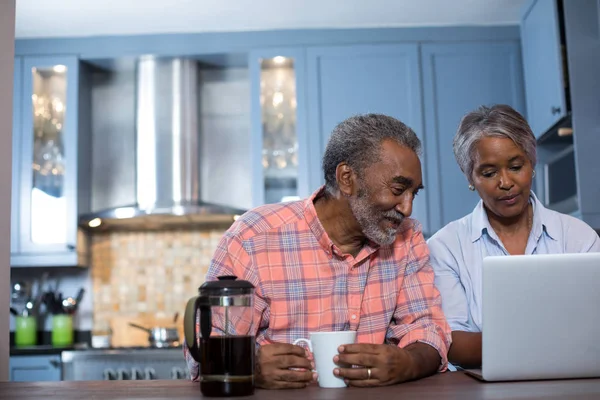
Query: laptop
{"points": [[541, 317]]}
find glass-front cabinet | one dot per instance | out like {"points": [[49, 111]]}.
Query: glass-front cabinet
{"points": [[46, 139], [279, 137], [16, 156]]}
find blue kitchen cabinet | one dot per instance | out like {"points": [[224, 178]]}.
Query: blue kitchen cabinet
{"points": [[544, 65], [16, 155], [583, 49], [48, 142], [35, 368], [348, 80], [457, 78], [279, 140]]}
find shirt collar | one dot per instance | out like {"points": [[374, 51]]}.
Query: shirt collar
{"points": [[479, 221], [315, 226], [542, 221]]}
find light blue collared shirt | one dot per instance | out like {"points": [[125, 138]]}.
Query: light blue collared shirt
{"points": [[458, 249]]}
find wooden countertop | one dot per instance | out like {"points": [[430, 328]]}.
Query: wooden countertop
{"points": [[451, 385]]}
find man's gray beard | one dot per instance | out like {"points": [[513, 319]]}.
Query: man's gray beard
{"points": [[368, 218]]}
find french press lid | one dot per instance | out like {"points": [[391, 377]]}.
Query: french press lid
{"points": [[227, 285]]}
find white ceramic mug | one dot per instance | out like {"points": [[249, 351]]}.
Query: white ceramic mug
{"points": [[324, 346]]}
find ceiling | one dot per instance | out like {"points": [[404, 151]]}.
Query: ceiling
{"points": [[64, 18]]}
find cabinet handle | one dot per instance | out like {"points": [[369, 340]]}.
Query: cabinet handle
{"points": [[55, 363], [71, 247], [555, 110]]}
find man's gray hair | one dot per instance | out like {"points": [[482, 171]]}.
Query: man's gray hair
{"points": [[357, 141], [497, 121]]}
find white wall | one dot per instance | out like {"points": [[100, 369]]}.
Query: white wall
{"points": [[7, 47]]}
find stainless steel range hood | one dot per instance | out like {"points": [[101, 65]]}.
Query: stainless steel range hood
{"points": [[166, 155]]}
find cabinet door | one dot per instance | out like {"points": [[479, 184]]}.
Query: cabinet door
{"points": [[543, 66], [598, 12], [457, 78], [35, 368], [16, 155], [48, 150], [583, 44], [348, 80], [279, 136]]}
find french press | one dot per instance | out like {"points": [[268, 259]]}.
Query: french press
{"points": [[225, 349]]}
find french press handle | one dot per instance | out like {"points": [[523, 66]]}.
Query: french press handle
{"points": [[194, 306]]}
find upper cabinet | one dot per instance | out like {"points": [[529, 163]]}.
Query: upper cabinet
{"points": [[544, 64], [16, 156], [301, 85], [279, 142], [348, 80], [450, 79], [458, 78], [561, 52], [46, 195], [583, 50]]}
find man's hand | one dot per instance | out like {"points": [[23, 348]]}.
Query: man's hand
{"points": [[274, 363], [387, 364]]}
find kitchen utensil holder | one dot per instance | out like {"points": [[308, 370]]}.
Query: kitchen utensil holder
{"points": [[62, 330], [25, 331]]}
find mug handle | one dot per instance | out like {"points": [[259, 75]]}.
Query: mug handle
{"points": [[308, 343], [302, 340]]}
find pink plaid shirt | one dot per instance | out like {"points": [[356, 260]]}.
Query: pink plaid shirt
{"points": [[304, 283]]}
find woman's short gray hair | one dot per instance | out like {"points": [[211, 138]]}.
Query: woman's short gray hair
{"points": [[357, 141], [497, 121]]}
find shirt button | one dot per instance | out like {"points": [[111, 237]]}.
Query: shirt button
{"points": [[353, 316]]}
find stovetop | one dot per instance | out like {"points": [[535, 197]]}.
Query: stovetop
{"points": [[124, 363]]}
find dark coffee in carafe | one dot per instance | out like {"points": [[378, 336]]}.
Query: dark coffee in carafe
{"points": [[227, 366], [220, 336]]}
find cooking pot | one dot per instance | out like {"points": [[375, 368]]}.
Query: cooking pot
{"points": [[159, 336]]}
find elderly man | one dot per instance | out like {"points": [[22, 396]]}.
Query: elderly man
{"points": [[346, 258]]}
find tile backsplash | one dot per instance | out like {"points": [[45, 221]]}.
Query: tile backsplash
{"points": [[146, 277]]}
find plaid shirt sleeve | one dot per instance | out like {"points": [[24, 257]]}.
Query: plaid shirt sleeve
{"points": [[193, 366], [231, 258], [419, 316]]}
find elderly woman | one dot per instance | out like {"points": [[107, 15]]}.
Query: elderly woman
{"points": [[496, 150]]}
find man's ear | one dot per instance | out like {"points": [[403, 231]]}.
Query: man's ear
{"points": [[346, 179]]}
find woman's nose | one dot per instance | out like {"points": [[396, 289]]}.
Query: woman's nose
{"points": [[505, 181]]}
